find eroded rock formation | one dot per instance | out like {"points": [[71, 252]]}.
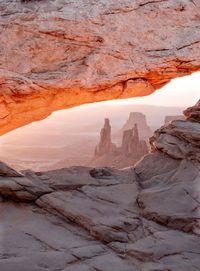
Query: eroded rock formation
{"points": [[175, 179], [59, 54], [105, 145], [144, 218], [132, 145], [139, 119], [131, 150]]}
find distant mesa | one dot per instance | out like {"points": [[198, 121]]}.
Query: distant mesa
{"points": [[171, 118], [131, 150], [139, 119]]}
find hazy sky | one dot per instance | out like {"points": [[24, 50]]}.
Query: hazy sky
{"points": [[184, 91]]}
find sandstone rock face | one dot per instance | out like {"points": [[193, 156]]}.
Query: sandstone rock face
{"points": [[181, 138], [59, 54], [139, 119], [192, 113], [131, 150], [143, 218], [175, 184]]}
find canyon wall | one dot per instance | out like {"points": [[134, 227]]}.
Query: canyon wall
{"points": [[58, 54]]}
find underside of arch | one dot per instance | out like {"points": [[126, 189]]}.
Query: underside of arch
{"points": [[56, 55]]}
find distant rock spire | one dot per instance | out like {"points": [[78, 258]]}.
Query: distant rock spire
{"points": [[105, 145], [131, 150], [132, 146]]}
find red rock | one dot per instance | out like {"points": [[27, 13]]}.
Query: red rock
{"points": [[58, 54]]}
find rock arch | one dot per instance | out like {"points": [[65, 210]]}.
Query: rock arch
{"points": [[56, 55]]}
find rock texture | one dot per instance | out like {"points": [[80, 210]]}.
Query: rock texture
{"points": [[132, 149], [176, 178], [139, 119], [59, 54], [144, 218], [179, 139], [192, 113]]}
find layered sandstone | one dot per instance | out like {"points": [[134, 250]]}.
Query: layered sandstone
{"points": [[143, 218], [170, 176], [180, 139], [59, 54]]}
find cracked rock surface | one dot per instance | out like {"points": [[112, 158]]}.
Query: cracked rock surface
{"points": [[56, 54], [145, 218]]}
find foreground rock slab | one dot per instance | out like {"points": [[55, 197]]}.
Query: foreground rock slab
{"points": [[144, 218], [92, 227], [33, 240]]}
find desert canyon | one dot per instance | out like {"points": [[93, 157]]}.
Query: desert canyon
{"points": [[132, 147], [59, 54]]}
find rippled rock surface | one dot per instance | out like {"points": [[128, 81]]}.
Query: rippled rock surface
{"points": [[144, 218]]}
